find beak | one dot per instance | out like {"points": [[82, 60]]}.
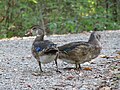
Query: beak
{"points": [[29, 33]]}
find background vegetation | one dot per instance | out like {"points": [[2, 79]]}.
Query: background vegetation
{"points": [[58, 16]]}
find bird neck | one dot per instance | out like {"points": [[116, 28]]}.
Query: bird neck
{"points": [[39, 38], [93, 41]]}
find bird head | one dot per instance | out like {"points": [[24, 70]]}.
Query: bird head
{"points": [[95, 36], [35, 30]]}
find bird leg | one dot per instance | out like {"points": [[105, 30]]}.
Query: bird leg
{"points": [[80, 67], [56, 63], [77, 67], [39, 63]]}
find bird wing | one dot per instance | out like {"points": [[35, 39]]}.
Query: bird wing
{"points": [[45, 46], [71, 46]]}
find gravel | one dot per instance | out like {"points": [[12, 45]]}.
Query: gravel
{"points": [[18, 67]]}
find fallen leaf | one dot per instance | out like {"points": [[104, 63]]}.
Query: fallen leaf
{"points": [[114, 57], [117, 57], [118, 77], [70, 77], [36, 74], [118, 52], [87, 69], [104, 56], [114, 67]]}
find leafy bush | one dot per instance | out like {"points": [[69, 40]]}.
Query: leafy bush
{"points": [[61, 16]]}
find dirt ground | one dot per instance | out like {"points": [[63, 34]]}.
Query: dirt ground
{"points": [[18, 66]]}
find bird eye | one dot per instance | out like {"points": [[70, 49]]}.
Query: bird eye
{"points": [[34, 28]]}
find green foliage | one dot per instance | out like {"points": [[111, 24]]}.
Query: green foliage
{"points": [[59, 16]]}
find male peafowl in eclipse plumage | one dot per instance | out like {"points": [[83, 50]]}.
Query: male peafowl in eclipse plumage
{"points": [[80, 52], [43, 50]]}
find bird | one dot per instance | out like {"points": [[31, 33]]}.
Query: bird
{"points": [[44, 51], [81, 51]]}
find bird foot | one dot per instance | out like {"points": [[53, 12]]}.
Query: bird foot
{"points": [[58, 71]]}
